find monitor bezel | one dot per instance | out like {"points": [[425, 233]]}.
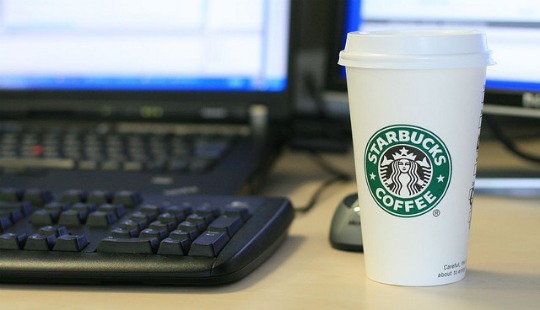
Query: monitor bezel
{"points": [[511, 102], [166, 104]]}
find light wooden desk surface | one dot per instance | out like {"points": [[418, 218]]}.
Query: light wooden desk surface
{"points": [[307, 273]]}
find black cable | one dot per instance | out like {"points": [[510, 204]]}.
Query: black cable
{"points": [[337, 176], [317, 131], [507, 142], [315, 156], [314, 93]]}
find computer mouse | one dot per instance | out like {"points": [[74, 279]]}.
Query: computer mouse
{"points": [[345, 232]]}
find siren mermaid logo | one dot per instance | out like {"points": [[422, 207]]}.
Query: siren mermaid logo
{"points": [[408, 169]]}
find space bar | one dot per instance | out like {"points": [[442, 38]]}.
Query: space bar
{"points": [[45, 163]]}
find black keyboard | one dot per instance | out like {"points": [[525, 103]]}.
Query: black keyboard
{"points": [[92, 237], [91, 149]]}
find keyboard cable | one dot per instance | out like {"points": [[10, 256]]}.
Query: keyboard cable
{"points": [[336, 176]]}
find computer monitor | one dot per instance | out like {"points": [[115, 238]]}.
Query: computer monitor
{"points": [[196, 52], [512, 29], [143, 45]]}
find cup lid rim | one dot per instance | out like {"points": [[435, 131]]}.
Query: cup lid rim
{"points": [[416, 48]]}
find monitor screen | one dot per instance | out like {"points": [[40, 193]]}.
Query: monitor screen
{"points": [[191, 45], [512, 29]]}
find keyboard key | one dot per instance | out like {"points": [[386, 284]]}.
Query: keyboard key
{"points": [[151, 210], [44, 217], [88, 165], [117, 209], [124, 232], [202, 220], [53, 230], [5, 222], [128, 199], [100, 197], [157, 225], [133, 166], [168, 219], [111, 165], [12, 241], [192, 234], [208, 212], [178, 165], [230, 225], [156, 165], [37, 197], [70, 243], [128, 245], [14, 215], [37, 163], [101, 219], [7, 207], [140, 216], [209, 244], [37, 242], [153, 233], [181, 212], [191, 225], [237, 209], [211, 148], [57, 206], [10, 194], [134, 224], [174, 246], [72, 218], [74, 196]]}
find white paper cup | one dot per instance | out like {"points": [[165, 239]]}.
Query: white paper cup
{"points": [[415, 101]]}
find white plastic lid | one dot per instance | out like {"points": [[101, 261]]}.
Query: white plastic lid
{"points": [[416, 49]]}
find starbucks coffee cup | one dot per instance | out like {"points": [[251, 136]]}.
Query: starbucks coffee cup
{"points": [[415, 100]]}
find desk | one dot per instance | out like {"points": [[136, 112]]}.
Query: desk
{"points": [[307, 273]]}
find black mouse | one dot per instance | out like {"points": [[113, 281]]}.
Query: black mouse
{"points": [[345, 232]]}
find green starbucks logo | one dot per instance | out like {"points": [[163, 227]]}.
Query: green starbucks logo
{"points": [[408, 169]]}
